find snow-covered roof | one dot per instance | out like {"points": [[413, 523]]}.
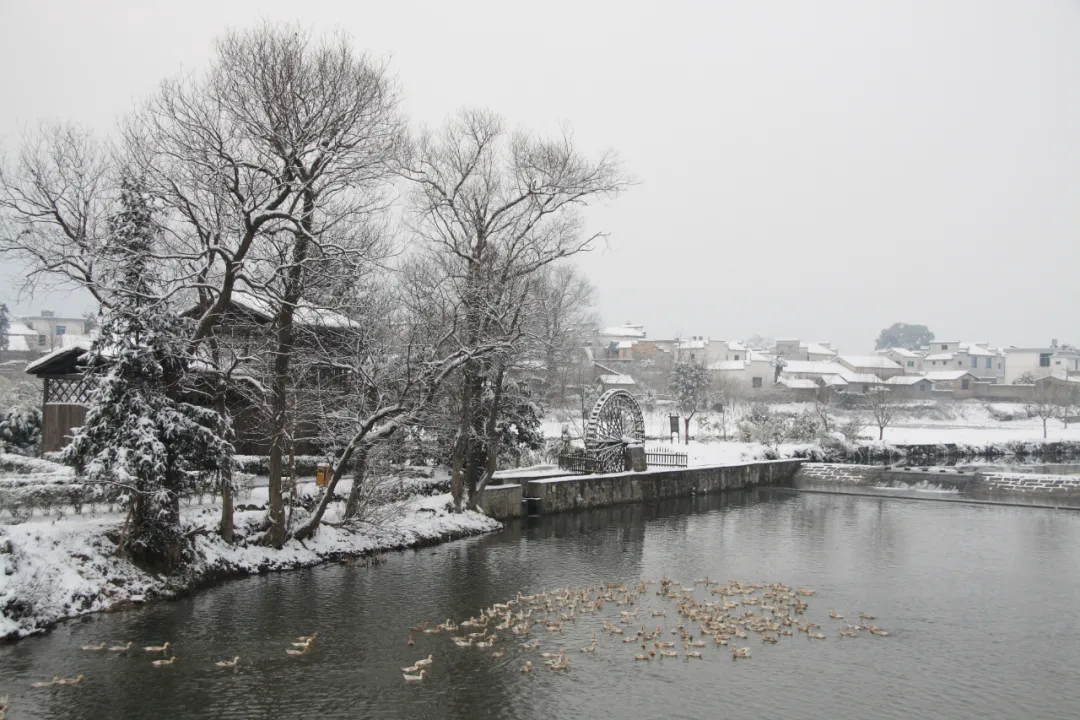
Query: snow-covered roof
{"points": [[816, 349], [623, 331], [946, 375], [77, 348], [797, 383], [976, 350], [691, 345], [624, 344], [19, 328], [902, 352], [728, 365], [906, 380], [735, 346], [939, 356], [617, 380], [864, 378], [758, 356], [306, 314], [833, 381], [869, 361], [814, 367]]}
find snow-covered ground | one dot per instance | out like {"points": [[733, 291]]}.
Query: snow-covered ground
{"points": [[972, 423], [51, 569]]}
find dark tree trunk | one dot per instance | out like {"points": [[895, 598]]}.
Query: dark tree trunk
{"points": [[284, 345], [225, 527]]}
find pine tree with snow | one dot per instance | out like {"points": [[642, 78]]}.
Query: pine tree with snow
{"points": [[140, 434]]}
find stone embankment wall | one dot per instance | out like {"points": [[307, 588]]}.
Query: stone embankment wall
{"points": [[1026, 488], [501, 501], [589, 491]]}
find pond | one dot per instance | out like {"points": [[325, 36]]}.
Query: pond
{"points": [[981, 604]]}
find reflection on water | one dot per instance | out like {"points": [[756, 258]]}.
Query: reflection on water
{"points": [[981, 601]]}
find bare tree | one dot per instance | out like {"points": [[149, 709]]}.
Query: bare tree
{"points": [[822, 401], [882, 406], [562, 318], [1047, 400], [494, 209], [56, 198]]}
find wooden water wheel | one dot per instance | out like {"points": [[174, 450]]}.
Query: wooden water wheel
{"points": [[615, 422]]}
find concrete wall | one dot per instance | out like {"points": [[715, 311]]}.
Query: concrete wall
{"points": [[590, 491], [502, 501], [996, 391]]}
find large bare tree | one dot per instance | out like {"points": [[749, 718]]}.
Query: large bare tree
{"points": [[275, 162], [494, 208]]}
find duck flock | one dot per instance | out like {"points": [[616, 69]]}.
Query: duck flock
{"points": [[302, 646], [707, 618]]}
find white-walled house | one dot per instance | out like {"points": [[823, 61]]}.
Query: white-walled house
{"points": [[878, 365], [756, 373], [910, 360], [1055, 360], [977, 358]]}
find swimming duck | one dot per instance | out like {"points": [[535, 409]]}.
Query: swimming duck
{"points": [[414, 678], [121, 648], [163, 663], [527, 667], [45, 683], [410, 641], [425, 662], [499, 653], [642, 657], [69, 681], [835, 615], [740, 652], [92, 648], [157, 648], [228, 663]]}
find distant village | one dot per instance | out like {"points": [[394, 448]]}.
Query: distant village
{"points": [[805, 370]]}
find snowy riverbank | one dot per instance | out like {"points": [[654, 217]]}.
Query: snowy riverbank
{"points": [[53, 569]]}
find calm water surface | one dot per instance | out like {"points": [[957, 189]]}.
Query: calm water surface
{"points": [[982, 603]]}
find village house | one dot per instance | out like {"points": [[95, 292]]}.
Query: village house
{"points": [[957, 381], [910, 360], [910, 386], [51, 332], [753, 373], [1056, 360], [805, 351], [878, 365], [66, 392], [617, 343], [984, 363]]}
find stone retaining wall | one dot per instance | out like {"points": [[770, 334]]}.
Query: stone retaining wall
{"points": [[990, 485], [1066, 486], [590, 491], [501, 501]]}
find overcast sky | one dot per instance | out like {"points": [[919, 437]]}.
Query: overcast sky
{"points": [[807, 169]]}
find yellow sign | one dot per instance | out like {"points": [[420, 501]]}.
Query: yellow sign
{"points": [[323, 473]]}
